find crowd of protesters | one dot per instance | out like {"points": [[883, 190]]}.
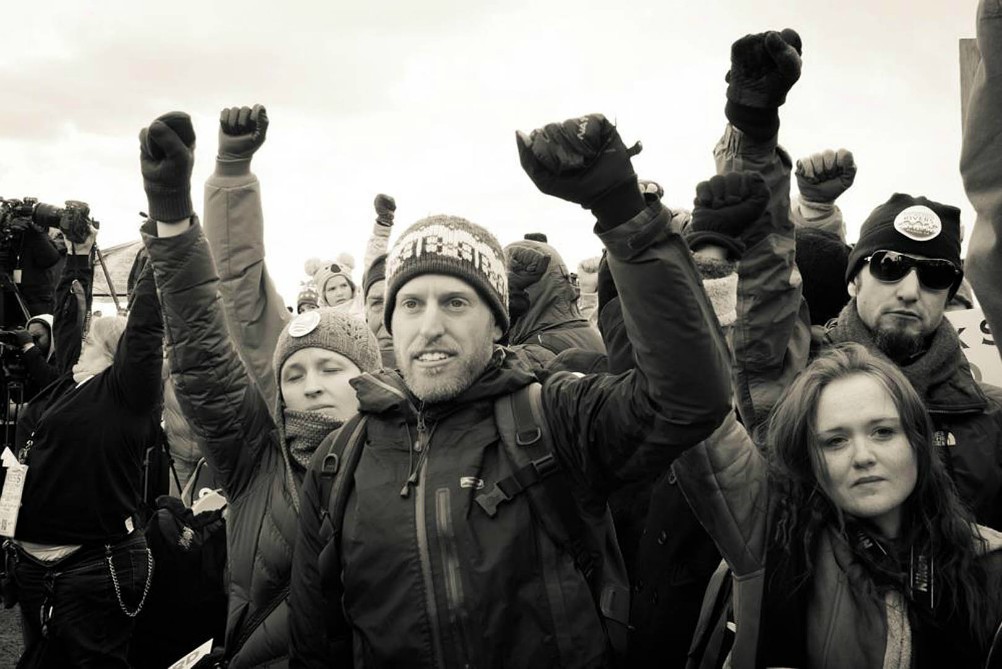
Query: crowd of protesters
{"points": [[733, 439]]}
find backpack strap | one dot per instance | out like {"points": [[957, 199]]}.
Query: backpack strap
{"points": [[338, 471], [527, 440]]}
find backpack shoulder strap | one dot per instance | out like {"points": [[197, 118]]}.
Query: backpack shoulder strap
{"points": [[338, 469]]}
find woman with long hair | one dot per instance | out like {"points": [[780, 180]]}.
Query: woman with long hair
{"points": [[846, 539]]}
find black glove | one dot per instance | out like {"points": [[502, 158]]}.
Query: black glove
{"points": [[242, 131], [727, 208], [525, 267], [385, 208], [822, 177], [166, 156], [764, 68], [22, 337], [582, 160]]}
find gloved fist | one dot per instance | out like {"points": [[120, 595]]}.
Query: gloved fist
{"points": [[764, 68], [241, 132], [822, 177], [525, 266], [21, 337], [385, 207], [166, 156], [726, 209], [580, 160]]}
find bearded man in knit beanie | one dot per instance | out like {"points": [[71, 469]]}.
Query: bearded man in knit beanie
{"points": [[437, 530]]}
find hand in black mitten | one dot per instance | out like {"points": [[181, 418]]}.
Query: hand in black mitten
{"points": [[764, 67], [385, 207], [580, 160], [727, 208], [822, 177], [242, 131], [166, 156]]}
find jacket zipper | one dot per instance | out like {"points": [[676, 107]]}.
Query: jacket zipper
{"points": [[458, 615], [423, 446]]}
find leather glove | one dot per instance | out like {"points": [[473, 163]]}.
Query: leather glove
{"points": [[166, 156], [822, 177], [242, 131], [764, 67], [385, 207], [581, 160], [727, 208]]}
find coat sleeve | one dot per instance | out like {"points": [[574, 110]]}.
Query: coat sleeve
{"points": [[227, 412], [136, 370], [821, 215], [602, 423], [44, 252], [771, 335], [378, 244], [981, 167], [234, 226]]}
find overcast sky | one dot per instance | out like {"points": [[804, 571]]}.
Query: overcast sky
{"points": [[420, 99]]}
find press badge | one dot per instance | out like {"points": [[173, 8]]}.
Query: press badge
{"points": [[10, 498]]}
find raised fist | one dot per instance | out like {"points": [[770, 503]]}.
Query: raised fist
{"points": [[726, 210], [764, 68], [525, 265], [166, 157], [822, 177], [579, 160], [241, 131], [385, 207]]}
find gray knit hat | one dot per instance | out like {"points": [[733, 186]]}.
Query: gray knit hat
{"points": [[453, 246], [328, 329]]}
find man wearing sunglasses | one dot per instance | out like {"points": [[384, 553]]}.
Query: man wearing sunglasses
{"points": [[902, 272]]}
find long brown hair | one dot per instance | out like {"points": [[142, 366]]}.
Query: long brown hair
{"points": [[935, 521]]}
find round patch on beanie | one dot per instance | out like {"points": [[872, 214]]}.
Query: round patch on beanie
{"points": [[918, 222], [304, 324]]}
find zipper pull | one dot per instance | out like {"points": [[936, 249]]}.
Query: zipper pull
{"points": [[406, 490]]}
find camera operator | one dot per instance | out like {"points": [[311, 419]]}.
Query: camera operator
{"points": [[35, 255], [81, 565], [34, 354]]}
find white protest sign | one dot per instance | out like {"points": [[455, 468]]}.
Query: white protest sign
{"points": [[978, 345], [192, 658]]}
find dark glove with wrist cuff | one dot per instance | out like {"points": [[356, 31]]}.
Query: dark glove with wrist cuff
{"points": [[727, 208], [166, 157]]}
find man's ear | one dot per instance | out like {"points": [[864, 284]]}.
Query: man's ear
{"points": [[851, 287]]}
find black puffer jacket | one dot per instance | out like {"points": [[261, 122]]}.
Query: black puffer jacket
{"points": [[429, 579], [553, 322], [243, 445]]}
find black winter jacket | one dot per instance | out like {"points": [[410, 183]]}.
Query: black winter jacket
{"points": [[428, 579]]}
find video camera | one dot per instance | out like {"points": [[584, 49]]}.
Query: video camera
{"points": [[73, 219]]}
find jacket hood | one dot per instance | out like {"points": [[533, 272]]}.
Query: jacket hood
{"points": [[46, 320], [552, 299], [385, 390]]}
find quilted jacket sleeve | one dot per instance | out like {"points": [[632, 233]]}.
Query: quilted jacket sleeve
{"points": [[604, 425], [234, 226], [981, 167], [227, 412], [771, 336]]}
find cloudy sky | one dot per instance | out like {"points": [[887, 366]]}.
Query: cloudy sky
{"points": [[421, 100]]}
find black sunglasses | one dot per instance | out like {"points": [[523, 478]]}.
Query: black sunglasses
{"points": [[933, 273]]}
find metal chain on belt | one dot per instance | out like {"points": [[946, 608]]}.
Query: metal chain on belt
{"points": [[118, 590]]}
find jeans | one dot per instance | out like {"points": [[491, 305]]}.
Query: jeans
{"points": [[71, 613]]}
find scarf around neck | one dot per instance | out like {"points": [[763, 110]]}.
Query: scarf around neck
{"points": [[940, 361], [304, 430]]}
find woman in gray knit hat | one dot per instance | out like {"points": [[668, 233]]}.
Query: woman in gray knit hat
{"points": [[259, 453]]}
